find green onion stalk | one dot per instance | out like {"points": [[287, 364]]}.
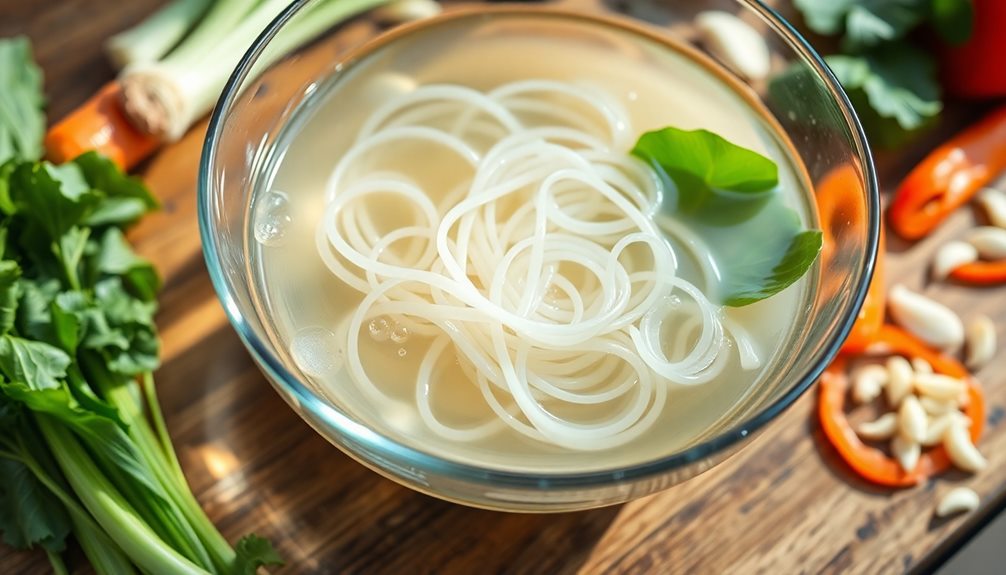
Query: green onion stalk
{"points": [[165, 97]]}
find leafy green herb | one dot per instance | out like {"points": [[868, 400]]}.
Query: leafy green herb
{"points": [[899, 82], [713, 184], [22, 121], [891, 82], [254, 552], [82, 448], [29, 514]]}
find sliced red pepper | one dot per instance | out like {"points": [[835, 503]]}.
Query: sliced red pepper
{"points": [[869, 462], [949, 177], [981, 273]]}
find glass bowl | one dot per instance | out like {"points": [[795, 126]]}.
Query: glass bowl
{"points": [[801, 95]]}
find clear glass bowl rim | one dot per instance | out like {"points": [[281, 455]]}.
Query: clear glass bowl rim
{"points": [[417, 459]]}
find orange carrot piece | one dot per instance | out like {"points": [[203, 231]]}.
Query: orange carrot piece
{"points": [[99, 124]]}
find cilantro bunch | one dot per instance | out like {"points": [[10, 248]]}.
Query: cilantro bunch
{"points": [[891, 79], [83, 446]]}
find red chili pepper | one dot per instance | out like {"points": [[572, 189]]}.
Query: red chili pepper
{"points": [[975, 69], [949, 177], [981, 273], [869, 462], [871, 315]]}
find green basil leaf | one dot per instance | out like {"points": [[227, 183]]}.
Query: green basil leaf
{"points": [[707, 157], [749, 283], [728, 196]]}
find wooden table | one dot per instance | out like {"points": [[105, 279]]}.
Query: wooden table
{"points": [[785, 504]]}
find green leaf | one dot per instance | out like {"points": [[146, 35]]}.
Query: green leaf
{"points": [[707, 157], [55, 198], [254, 552], [872, 22], [826, 17], [29, 513], [896, 82], [863, 23], [10, 291], [729, 195], [35, 363], [125, 198], [22, 118], [107, 441], [117, 212], [6, 169], [34, 318], [117, 258], [749, 283], [953, 19]]}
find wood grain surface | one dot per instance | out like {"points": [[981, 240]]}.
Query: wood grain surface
{"points": [[785, 504]]}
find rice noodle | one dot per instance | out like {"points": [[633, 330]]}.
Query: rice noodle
{"points": [[544, 273]]}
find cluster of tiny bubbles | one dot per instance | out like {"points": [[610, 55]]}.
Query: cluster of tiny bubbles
{"points": [[272, 218], [382, 329], [316, 351]]}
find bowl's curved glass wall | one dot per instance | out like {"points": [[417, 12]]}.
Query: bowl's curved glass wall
{"points": [[803, 99]]}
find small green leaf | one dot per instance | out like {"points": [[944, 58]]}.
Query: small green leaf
{"points": [[102, 174], [55, 198], [903, 85], [751, 284], [35, 363], [896, 83], [254, 552], [22, 117], [709, 158], [953, 19], [872, 22], [29, 513], [826, 17], [34, 319], [117, 258], [10, 291]]}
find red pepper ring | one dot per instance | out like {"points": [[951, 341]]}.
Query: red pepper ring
{"points": [[869, 462], [981, 273], [949, 176]]}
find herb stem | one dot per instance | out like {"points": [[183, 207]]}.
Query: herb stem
{"points": [[114, 514], [58, 567]]}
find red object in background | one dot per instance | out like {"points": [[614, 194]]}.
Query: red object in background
{"points": [[951, 174], [977, 68]]}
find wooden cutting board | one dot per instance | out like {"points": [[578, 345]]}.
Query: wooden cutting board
{"points": [[785, 504]]}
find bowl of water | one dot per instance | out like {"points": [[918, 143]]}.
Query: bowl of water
{"points": [[537, 258]]}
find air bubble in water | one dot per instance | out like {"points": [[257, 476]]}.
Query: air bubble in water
{"points": [[400, 334], [402, 352], [316, 351], [380, 328], [272, 219]]}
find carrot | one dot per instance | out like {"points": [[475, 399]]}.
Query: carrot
{"points": [[99, 124]]}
